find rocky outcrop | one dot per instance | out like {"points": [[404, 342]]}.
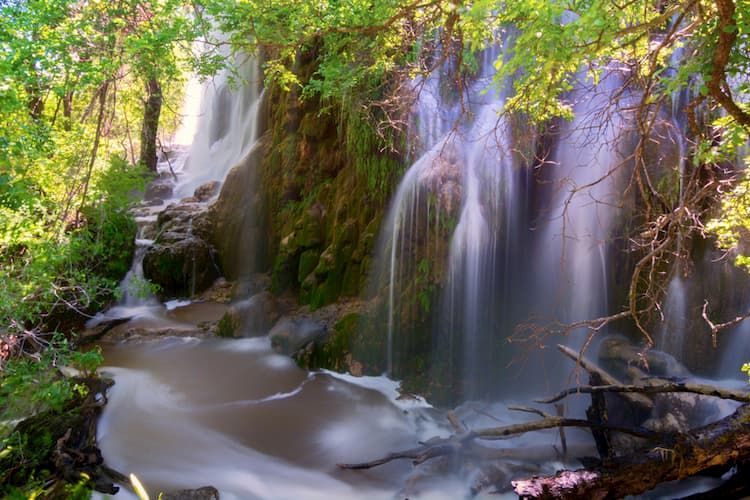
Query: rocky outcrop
{"points": [[237, 219], [181, 261], [326, 179]]}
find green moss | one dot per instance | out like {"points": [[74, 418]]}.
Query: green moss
{"points": [[332, 353], [308, 261], [327, 292], [227, 326]]}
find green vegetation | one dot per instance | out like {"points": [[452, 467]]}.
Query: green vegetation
{"points": [[73, 79]]}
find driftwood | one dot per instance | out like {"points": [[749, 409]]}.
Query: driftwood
{"points": [[722, 443], [462, 443], [660, 388]]}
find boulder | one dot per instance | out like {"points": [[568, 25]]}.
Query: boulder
{"points": [[289, 335], [624, 360], [206, 191], [236, 219], [252, 317], [187, 219], [181, 266], [160, 189]]}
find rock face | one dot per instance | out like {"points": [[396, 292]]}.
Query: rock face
{"points": [[326, 183], [289, 335], [181, 261], [237, 220]]}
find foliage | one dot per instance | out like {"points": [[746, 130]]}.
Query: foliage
{"points": [[732, 226], [32, 385], [72, 78]]}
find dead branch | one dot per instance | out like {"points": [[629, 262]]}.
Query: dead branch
{"points": [[462, 443], [606, 378], [716, 328], [665, 387]]}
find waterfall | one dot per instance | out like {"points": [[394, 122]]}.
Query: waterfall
{"points": [[673, 329], [504, 246], [227, 127], [587, 167]]}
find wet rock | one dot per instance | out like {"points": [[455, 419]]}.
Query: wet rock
{"points": [[238, 232], [149, 230], [181, 267], [289, 335], [251, 285], [185, 218], [220, 291], [680, 412], [203, 493], [160, 189], [627, 361], [206, 191], [251, 317]]}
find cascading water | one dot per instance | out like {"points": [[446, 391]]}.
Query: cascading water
{"points": [[586, 167], [482, 232], [673, 329], [228, 126], [219, 129], [186, 413], [490, 284]]}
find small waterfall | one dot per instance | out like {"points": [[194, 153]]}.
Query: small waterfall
{"points": [[451, 221], [586, 169], [420, 212], [463, 214], [673, 330], [221, 118], [227, 127], [483, 225]]}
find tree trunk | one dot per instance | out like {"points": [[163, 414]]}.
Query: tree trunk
{"points": [[151, 113]]}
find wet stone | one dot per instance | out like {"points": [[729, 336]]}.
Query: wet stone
{"points": [[203, 493]]}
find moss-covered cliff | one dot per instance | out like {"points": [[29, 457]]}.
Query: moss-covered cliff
{"points": [[326, 179]]}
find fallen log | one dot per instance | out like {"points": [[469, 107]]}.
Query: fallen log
{"points": [[720, 444], [462, 443], [666, 387]]}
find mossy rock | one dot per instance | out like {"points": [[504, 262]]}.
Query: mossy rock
{"points": [[352, 279], [308, 261], [181, 268], [334, 351], [284, 272], [327, 292], [308, 231]]}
